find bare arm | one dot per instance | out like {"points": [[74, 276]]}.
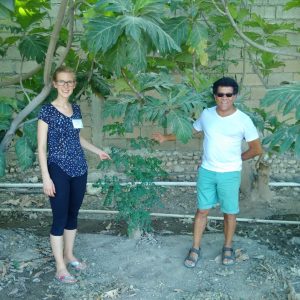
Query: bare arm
{"points": [[48, 185], [88, 146], [161, 138], [254, 149]]}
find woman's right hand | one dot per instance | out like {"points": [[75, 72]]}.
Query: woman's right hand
{"points": [[48, 187]]}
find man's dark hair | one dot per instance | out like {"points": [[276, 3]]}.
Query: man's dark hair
{"points": [[226, 81]]}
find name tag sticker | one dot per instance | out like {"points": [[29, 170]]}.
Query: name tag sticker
{"points": [[77, 123]]}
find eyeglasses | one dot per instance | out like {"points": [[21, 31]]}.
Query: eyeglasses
{"points": [[70, 83], [228, 95]]}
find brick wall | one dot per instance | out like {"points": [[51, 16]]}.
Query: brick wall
{"points": [[272, 10]]}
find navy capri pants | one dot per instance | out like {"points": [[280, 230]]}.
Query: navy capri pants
{"points": [[67, 200]]}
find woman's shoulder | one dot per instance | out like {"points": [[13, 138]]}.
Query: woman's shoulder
{"points": [[46, 107], [76, 106]]}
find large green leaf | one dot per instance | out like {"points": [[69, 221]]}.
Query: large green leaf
{"points": [[267, 27], [34, 47], [286, 144], [298, 112], [118, 6], [286, 97], [180, 125], [102, 33], [30, 132], [293, 103], [292, 4], [162, 40], [2, 164], [131, 116], [197, 34], [154, 110], [228, 34], [116, 59], [25, 155], [6, 8], [4, 125], [8, 4], [116, 108], [280, 41], [29, 13], [99, 85], [10, 101], [150, 8], [273, 139], [136, 54], [132, 27], [157, 81], [5, 111], [177, 28]]}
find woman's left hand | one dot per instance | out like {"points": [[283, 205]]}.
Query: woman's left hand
{"points": [[103, 155]]}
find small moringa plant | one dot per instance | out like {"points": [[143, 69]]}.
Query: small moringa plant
{"points": [[135, 197]]}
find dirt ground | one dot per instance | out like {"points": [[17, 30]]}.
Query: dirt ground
{"points": [[151, 267]]}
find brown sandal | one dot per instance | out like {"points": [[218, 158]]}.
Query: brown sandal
{"points": [[192, 259], [230, 258]]}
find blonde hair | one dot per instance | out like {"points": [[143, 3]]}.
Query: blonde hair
{"points": [[63, 69]]}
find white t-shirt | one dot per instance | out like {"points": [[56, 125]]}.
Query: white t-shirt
{"points": [[223, 136]]}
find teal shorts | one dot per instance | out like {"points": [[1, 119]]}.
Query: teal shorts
{"points": [[218, 187]]}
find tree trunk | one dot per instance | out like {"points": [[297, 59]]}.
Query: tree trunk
{"points": [[255, 181], [6, 141]]}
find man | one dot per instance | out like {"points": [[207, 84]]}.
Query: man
{"points": [[219, 176]]}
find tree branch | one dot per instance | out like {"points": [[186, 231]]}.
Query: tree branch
{"points": [[53, 41], [218, 8], [17, 78], [21, 84], [88, 81], [70, 34], [244, 67], [249, 41], [22, 115], [137, 93], [37, 100], [257, 72]]}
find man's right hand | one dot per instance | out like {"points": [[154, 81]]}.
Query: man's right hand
{"points": [[157, 136]]}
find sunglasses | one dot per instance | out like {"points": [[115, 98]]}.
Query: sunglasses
{"points": [[228, 95]]}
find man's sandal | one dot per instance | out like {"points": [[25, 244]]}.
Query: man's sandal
{"points": [[66, 278], [228, 260], [191, 261]]}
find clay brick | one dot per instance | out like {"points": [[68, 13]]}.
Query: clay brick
{"points": [[277, 78], [252, 79], [292, 66]]}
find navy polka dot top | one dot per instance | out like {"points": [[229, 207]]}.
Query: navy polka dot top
{"points": [[64, 148]]}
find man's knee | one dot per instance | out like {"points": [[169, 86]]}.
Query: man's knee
{"points": [[230, 217], [201, 213]]}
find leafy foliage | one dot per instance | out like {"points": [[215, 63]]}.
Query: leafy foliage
{"points": [[287, 99], [128, 33], [285, 135], [128, 49], [292, 4], [171, 109], [25, 155], [34, 47], [135, 199], [2, 164]]}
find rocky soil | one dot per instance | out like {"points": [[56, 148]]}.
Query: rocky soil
{"points": [[151, 267]]}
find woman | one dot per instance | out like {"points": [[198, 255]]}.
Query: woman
{"points": [[64, 173]]}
